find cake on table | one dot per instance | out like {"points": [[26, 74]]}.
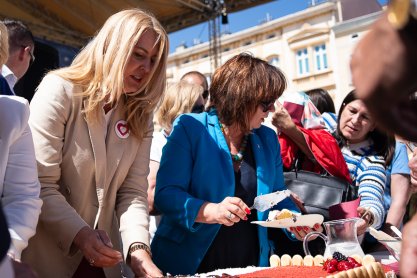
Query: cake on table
{"points": [[310, 267]]}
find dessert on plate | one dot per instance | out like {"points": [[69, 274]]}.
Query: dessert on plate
{"points": [[281, 215]]}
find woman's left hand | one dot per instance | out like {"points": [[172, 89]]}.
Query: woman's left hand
{"points": [[142, 265], [365, 221], [301, 231]]}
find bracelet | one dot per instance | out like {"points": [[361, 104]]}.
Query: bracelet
{"points": [[139, 246]]}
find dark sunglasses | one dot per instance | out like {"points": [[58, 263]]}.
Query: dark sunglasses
{"points": [[205, 94], [266, 105], [197, 108], [411, 146]]}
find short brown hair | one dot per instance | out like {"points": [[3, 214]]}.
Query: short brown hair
{"points": [[240, 85]]}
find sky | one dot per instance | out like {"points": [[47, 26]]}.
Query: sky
{"points": [[242, 20]]}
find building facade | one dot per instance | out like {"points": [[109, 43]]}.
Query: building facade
{"points": [[312, 47]]}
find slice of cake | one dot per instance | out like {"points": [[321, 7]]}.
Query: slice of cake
{"points": [[281, 215]]}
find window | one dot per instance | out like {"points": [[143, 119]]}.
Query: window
{"points": [[302, 62], [320, 57], [274, 61]]}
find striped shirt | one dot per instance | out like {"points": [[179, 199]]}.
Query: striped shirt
{"points": [[367, 171]]}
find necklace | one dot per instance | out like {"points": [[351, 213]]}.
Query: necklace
{"points": [[239, 156]]}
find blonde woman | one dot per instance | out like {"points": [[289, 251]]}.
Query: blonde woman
{"points": [[180, 98], [92, 127], [4, 44], [4, 54]]}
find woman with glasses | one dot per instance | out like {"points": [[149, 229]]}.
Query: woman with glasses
{"points": [[179, 98], [213, 166]]}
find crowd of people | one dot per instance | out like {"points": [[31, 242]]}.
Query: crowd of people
{"points": [[93, 185]]}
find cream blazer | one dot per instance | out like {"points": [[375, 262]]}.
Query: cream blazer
{"points": [[19, 185], [86, 179]]}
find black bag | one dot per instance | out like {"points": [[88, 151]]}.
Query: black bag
{"points": [[319, 191]]}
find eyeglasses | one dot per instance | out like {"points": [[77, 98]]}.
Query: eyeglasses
{"points": [[32, 56], [205, 94], [197, 108], [411, 146], [266, 105]]}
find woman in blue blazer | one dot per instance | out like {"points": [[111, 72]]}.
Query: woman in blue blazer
{"points": [[213, 166]]}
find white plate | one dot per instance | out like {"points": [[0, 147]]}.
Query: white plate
{"points": [[301, 220]]}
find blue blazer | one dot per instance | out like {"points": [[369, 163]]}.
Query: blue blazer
{"points": [[196, 167]]}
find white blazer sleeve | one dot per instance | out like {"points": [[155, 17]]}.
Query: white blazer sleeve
{"points": [[21, 187]]}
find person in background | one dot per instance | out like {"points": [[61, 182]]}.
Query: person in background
{"points": [[211, 204], [21, 49], [196, 77], [179, 98], [397, 187], [302, 135], [322, 100], [92, 128], [367, 150]]}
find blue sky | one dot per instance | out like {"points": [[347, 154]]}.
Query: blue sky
{"points": [[242, 20]]}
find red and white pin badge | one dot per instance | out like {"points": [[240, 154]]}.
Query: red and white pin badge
{"points": [[122, 129]]}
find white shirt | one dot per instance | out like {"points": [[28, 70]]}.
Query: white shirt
{"points": [[158, 142], [10, 77]]}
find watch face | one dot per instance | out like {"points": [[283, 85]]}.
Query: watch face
{"points": [[399, 12]]}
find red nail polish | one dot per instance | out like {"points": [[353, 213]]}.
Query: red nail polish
{"points": [[245, 218], [306, 229], [298, 228], [247, 211], [291, 229], [316, 226]]}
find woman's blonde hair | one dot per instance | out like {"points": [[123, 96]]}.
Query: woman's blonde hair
{"points": [[179, 98], [100, 67], [4, 44]]}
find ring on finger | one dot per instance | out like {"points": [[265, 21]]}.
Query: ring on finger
{"points": [[229, 216], [91, 261]]}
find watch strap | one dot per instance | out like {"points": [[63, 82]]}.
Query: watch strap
{"points": [[139, 246]]}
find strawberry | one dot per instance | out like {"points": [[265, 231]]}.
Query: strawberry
{"points": [[333, 262], [351, 260], [326, 264], [331, 269], [341, 265], [348, 265]]}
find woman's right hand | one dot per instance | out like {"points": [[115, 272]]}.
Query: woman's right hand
{"points": [[281, 119], [97, 247], [231, 210]]}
